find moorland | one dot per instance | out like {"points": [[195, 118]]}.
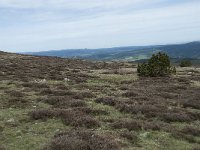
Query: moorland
{"points": [[55, 103]]}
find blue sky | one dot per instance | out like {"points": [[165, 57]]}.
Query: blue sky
{"points": [[38, 25]]}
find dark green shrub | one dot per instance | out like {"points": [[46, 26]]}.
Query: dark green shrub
{"points": [[185, 63], [143, 70], [157, 65]]}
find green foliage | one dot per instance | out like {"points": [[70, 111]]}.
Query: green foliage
{"points": [[143, 69], [173, 70], [185, 63], [158, 65]]}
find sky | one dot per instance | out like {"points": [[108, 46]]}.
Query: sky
{"points": [[40, 25]]}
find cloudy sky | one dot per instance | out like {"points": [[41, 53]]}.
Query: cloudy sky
{"points": [[37, 25]]}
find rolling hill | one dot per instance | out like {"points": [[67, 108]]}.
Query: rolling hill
{"points": [[102, 53], [131, 53], [52, 103]]}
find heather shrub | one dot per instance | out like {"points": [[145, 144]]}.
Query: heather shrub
{"points": [[106, 101], [127, 124], [82, 140], [191, 131], [2, 148], [132, 137]]}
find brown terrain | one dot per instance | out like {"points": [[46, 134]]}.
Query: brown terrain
{"points": [[70, 104]]}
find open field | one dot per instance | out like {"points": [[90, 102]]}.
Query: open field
{"points": [[56, 104]]}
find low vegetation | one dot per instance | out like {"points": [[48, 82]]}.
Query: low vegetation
{"points": [[53, 103], [82, 140]]}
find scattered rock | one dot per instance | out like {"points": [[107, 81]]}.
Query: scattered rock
{"points": [[66, 79], [41, 81], [144, 135], [11, 122]]}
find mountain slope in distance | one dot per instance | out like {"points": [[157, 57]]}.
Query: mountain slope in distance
{"points": [[131, 53]]}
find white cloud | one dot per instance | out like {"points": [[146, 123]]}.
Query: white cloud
{"points": [[72, 4], [130, 25]]}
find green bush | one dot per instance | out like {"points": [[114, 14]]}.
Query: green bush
{"points": [[157, 65], [185, 63]]}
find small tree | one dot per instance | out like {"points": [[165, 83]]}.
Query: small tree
{"points": [[185, 63], [157, 65]]}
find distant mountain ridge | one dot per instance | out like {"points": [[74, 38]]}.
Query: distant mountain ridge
{"points": [[131, 53]]}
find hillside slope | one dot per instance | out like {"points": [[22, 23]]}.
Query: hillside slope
{"points": [[54, 103], [188, 50], [86, 53]]}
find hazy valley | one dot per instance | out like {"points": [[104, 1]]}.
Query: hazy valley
{"points": [[132, 53]]}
